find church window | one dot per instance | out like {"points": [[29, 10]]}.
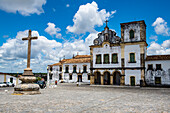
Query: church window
{"points": [[66, 71], [84, 69], [132, 58], [98, 59], [158, 67], [131, 34], [70, 77], [74, 69], [150, 67], [114, 58], [106, 58]]}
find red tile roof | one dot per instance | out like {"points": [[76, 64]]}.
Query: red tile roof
{"points": [[158, 57]]}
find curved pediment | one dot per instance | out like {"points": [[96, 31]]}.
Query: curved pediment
{"points": [[107, 35]]}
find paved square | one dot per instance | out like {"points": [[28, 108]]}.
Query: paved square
{"points": [[70, 98]]}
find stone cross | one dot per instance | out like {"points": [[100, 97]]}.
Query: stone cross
{"points": [[106, 22], [29, 38]]}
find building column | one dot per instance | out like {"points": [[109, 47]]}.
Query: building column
{"points": [[122, 80], [111, 79], [102, 81], [91, 79], [4, 77]]}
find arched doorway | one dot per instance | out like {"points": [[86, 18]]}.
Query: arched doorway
{"points": [[116, 78], [97, 79], [106, 78]]}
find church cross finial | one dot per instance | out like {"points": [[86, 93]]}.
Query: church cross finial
{"points": [[106, 22]]}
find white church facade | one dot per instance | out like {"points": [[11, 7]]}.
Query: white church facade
{"points": [[115, 60]]}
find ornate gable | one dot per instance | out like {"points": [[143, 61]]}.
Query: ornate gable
{"points": [[107, 35]]}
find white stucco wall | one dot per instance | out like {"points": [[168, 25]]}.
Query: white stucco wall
{"points": [[136, 28], [135, 73], [132, 49], [164, 74], [65, 76], [107, 50]]}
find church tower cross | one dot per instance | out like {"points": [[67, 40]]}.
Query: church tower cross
{"points": [[29, 38], [106, 22]]}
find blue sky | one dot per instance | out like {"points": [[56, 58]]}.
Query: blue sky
{"points": [[59, 34]]}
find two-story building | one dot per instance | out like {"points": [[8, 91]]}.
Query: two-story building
{"points": [[116, 60]]}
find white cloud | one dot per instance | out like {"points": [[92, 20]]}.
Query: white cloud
{"points": [[157, 49], [24, 7], [67, 5], [160, 26], [166, 44], [13, 53], [43, 52], [87, 17], [52, 30], [154, 38]]}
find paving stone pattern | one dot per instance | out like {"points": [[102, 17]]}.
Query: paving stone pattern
{"points": [[69, 98]]}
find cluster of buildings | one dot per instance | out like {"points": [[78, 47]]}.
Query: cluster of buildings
{"points": [[115, 60]]}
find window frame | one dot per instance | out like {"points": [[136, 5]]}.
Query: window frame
{"points": [[151, 66], [104, 59], [100, 59], [116, 58], [75, 66], [130, 34], [67, 67], [158, 68], [84, 66], [130, 58]]}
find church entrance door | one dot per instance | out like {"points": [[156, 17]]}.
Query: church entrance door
{"points": [[132, 81], [106, 78], [97, 78], [116, 78]]}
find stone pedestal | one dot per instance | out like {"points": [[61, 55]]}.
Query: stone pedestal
{"points": [[27, 87]]}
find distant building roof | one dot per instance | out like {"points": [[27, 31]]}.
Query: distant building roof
{"points": [[76, 59], [82, 56], [158, 57], [80, 60]]}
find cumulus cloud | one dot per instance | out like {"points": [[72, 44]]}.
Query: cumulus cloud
{"points": [[24, 7], [87, 17], [52, 30], [43, 51], [160, 26], [13, 53], [166, 44], [159, 49]]}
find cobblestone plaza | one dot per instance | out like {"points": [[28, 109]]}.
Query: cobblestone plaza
{"points": [[69, 98]]}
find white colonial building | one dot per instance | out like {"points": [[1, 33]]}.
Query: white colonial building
{"points": [[115, 60], [119, 61], [157, 70], [76, 69]]}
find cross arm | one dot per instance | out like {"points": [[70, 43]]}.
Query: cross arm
{"points": [[34, 37], [24, 38]]}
